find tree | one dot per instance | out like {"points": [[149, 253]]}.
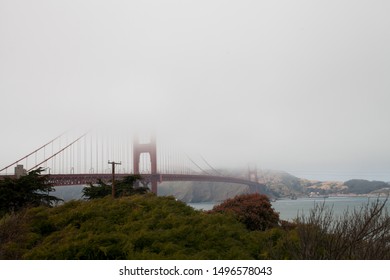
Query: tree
{"points": [[254, 210], [123, 187], [30, 190]]}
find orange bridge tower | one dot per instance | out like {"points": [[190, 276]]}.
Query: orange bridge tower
{"points": [[148, 148]]}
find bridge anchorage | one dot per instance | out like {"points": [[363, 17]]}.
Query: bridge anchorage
{"points": [[84, 161]]}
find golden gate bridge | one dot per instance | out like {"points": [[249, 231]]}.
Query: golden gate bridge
{"points": [[86, 158]]}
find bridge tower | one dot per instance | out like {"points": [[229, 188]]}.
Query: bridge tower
{"points": [[148, 148], [252, 174]]}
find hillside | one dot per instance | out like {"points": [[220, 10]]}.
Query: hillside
{"points": [[137, 227], [364, 186], [154, 228]]}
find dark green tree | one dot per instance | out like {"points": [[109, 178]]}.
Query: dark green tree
{"points": [[30, 190], [124, 187]]}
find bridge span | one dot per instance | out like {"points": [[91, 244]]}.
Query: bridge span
{"points": [[85, 179], [82, 179], [86, 159]]}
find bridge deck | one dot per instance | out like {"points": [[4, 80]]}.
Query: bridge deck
{"points": [[82, 179]]}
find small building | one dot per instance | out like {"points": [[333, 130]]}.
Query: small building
{"points": [[20, 171]]}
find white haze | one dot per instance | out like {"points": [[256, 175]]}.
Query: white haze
{"points": [[300, 86]]}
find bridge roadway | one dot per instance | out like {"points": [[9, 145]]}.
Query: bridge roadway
{"points": [[82, 179]]}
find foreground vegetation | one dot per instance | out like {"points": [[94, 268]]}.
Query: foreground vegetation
{"points": [[140, 225], [31, 190], [150, 227], [137, 227]]}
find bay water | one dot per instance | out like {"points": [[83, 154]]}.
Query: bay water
{"points": [[289, 209]]}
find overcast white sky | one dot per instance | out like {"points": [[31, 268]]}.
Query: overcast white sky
{"points": [[300, 86]]}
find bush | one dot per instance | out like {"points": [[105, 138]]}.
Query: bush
{"points": [[254, 210], [359, 234], [135, 227]]}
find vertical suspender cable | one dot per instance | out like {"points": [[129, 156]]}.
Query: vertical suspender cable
{"points": [[79, 157], [169, 159], [128, 154], [102, 156], [59, 159], [122, 155], [131, 155], [85, 155], [73, 160], [97, 154], [108, 148], [91, 148], [44, 156], [67, 156], [52, 162]]}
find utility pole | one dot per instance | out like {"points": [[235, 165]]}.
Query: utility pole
{"points": [[113, 163]]}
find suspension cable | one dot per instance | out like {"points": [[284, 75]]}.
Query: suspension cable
{"points": [[216, 171], [58, 152], [198, 166], [25, 157]]}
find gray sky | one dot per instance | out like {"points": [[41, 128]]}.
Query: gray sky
{"points": [[300, 86]]}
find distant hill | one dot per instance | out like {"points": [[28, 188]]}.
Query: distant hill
{"points": [[364, 186], [286, 184]]}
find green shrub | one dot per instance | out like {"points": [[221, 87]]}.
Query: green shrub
{"points": [[136, 227]]}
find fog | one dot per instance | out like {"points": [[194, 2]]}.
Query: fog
{"points": [[299, 86]]}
